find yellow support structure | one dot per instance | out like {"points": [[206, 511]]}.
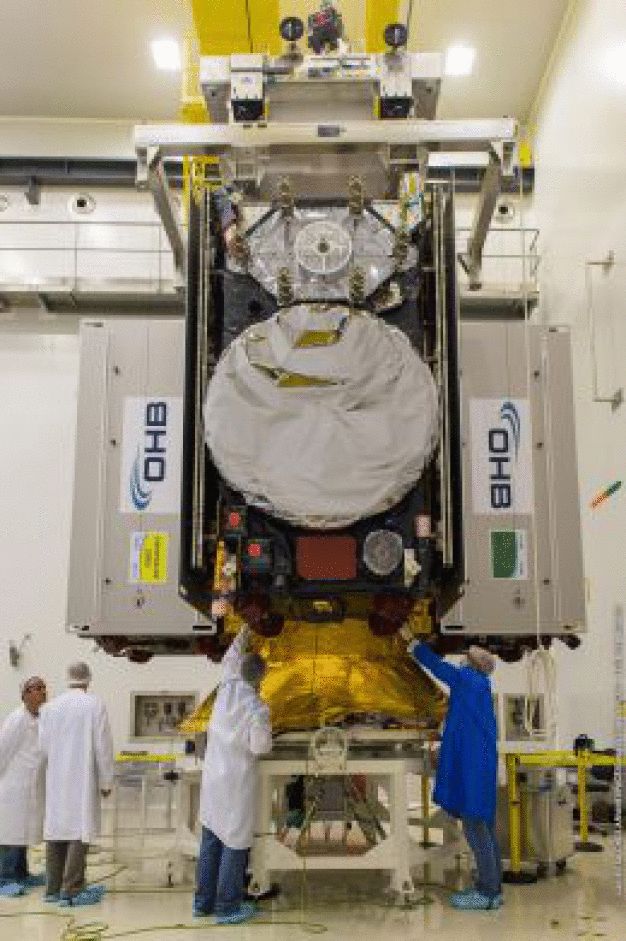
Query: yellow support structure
{"points": [[229, 26], [582, 800], [581, 761], [515, 815], [378, 14]]}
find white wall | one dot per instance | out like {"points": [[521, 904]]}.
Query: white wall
{"points": [[580, 207], [57, 137], [52, 242]]}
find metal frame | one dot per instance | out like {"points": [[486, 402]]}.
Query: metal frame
{"points": [[151, 176], [472, 259], [216, 139], [155, 142], [606, 264]]}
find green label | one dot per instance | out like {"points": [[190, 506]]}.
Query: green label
{"points": [[508, 553]]}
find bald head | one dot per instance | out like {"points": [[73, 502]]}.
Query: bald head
{"points": [[78, 674], [481, 660]]}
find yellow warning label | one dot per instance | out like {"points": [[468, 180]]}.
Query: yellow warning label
{"points": [[148, 558]]}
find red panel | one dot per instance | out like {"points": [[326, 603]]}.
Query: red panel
{"points": [[326, 558]]}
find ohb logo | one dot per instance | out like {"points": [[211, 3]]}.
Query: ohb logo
{"points": [[150, 464], [504, 443]]}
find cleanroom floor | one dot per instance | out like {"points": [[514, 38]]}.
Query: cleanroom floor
{"points": [[582, 903]]}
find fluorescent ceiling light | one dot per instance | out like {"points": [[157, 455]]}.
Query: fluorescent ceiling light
{"points": [[166, 54], [460, 60], [615, 63]]}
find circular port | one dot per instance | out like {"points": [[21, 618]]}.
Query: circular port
{"points": [[383, 552]]}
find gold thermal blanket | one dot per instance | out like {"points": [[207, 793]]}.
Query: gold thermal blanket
{"points": [[324, 674]]}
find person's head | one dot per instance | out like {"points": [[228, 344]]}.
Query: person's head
{"points": [[34, 694], [78, 675], [481, 660], [253, 669]]}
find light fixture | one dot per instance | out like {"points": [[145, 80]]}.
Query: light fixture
{"points": [[615, 63], [460, 60], [166, 54]]}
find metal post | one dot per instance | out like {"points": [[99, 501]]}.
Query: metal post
{"points": [[584, 845], [514, 814], [620, 714], [515, 874], [472, 259], [582, 799], [425, 782], [151, 176], [606, 264]]}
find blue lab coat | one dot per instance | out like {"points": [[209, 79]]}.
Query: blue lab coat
{"points": [[467, 770]]}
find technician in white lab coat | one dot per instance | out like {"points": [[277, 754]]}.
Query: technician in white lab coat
{"points": [[21, 789], [75, 737], [238, 733]]}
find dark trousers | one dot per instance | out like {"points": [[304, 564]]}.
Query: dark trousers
{"points": [[13, 864], [483, 843], [65, 867], [220, 876]]}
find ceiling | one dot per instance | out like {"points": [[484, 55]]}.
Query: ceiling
{"points": [[91, 58]]}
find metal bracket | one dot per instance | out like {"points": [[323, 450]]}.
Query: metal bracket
{"points": [[606, 264], [151, 176], [472, 260]]}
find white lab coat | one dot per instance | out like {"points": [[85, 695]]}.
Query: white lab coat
{"points": [[239, 731], [75, 737], [21, 780]]}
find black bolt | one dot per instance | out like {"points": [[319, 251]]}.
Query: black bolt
{"points": [[547, 581], [113, 442], [107, 581], [117, 370], [536, 373], [539, 445]]}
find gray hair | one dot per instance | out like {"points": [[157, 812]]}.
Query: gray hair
{"points": [[481, 660], [253, 668], [78, 674]]}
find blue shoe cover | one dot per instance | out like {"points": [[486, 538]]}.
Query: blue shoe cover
{"points": [[475, 901], [52, 899], [12, 890], [245, 912], [86, 897], [200, 912], [98, 890]]}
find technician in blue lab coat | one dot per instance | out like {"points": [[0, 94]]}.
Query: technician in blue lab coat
{"points": [[467, 770]]}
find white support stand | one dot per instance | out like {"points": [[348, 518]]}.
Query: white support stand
{"points": [[396, 854]]}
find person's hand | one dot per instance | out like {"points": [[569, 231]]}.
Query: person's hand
{"points": [[406, 633], [105, 791], [230, 236]]}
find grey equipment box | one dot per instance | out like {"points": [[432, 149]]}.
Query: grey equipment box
{"points": [[521, 514], [547, 808], [125, 527]]}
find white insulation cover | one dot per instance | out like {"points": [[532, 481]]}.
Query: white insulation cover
{"points": [[326, 454]]}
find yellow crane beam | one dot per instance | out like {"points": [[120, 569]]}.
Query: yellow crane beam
{"points": [[227, 26], [378, 14]]}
